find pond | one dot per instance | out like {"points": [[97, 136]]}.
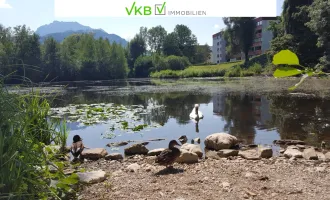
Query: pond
{"points": [[255, 111]]}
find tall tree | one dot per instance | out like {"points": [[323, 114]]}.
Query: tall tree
{"points": [[156, 37], [243, 30], [119, 67], [297, 37], [186, 41], [171, 45], [203, 53], [319, 13], [51, 59], [137, 47]]}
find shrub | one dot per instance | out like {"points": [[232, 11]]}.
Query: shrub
{"points": [[177, 63], [263, 60], [234, 71], [255, 68], [142, 66]]}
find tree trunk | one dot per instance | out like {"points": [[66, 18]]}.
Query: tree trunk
{"points": [[246, 59]]}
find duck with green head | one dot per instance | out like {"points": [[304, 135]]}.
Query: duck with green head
{"points": [[169, 155]]}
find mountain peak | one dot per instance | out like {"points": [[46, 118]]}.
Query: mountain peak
{"points": [[58, 27], [60, 30]]}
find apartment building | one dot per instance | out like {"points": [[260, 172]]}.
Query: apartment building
{"points": [[218, 48], [262, 39], [261, 43]]}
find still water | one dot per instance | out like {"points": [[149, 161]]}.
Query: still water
{"points": [[252, 118]]}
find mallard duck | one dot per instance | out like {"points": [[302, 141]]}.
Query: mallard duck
{"points": [[168, 156], [195, 113], [77, 146]]}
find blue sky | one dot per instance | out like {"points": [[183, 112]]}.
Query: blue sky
{"points": [[35, 13]]}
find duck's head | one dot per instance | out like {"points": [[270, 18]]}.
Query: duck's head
{"points": [[173, 143], [76, 138]]}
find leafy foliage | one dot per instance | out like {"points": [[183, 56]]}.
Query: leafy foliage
{"points": [[288, 62], [24, 159]]}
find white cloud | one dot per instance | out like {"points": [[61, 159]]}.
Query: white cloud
{"points": [[216, 26], [3, 4]]}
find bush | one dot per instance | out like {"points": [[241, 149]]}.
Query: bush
{"points": [[177, 62], [142, 66], [255, 68], [234, 71], [263, 60]]}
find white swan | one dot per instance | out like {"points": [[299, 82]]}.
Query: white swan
{"points": [[195, 113]]}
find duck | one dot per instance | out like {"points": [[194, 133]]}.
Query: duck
{"points": [[168, 156], [196, 114], [77, 147]]}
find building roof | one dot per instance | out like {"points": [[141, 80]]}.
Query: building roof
{"points": [[218, 34]]}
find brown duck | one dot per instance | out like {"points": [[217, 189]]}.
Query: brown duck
{"points": [[168, 156]]}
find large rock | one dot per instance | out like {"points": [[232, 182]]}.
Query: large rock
{"points": [[92, 177], [310, 154], [320, 156], [193, 148], [265, 152], [295, 153], [211, 154], [114, 156], [327, 156], [218, 141], [133, 167], [94, 154], [136, 149], [155, 152], [224, 153], [187, 157], [251, 154], [289, 142]]}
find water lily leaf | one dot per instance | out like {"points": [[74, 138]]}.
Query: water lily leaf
{"points": [[286, 72], [285, 57]]}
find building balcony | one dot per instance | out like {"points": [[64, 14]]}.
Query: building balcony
{"points": [[256, 44], [258, 35], [255, 53], [259, 27]]}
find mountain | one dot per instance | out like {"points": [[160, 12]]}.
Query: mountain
{"points": [[60, 30]]}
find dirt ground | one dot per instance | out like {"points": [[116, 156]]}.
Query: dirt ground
{"points": [[275, 178]]}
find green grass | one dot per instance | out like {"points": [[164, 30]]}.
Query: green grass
{"points": [[24, 134], [196, 71]]}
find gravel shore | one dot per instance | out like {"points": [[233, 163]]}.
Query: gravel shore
{"points": [[138, 177]]}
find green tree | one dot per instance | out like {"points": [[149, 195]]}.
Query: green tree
{"points": [[187, 41], [171, 45], [142, 66], [319, 13], [69, 58], [118, 60], [137, 47], [6, 51], [103, 58], [203, 53], [295, 35], [87, 57], [156, 37], [241, 29], [27, 52], [51, 59]]}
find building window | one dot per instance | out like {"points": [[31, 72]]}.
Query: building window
{"points": [[218, 55], [218, 43], [257, 48], [217, 61]]}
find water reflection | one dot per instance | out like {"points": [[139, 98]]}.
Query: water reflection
{"points": [[251, 118]]}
